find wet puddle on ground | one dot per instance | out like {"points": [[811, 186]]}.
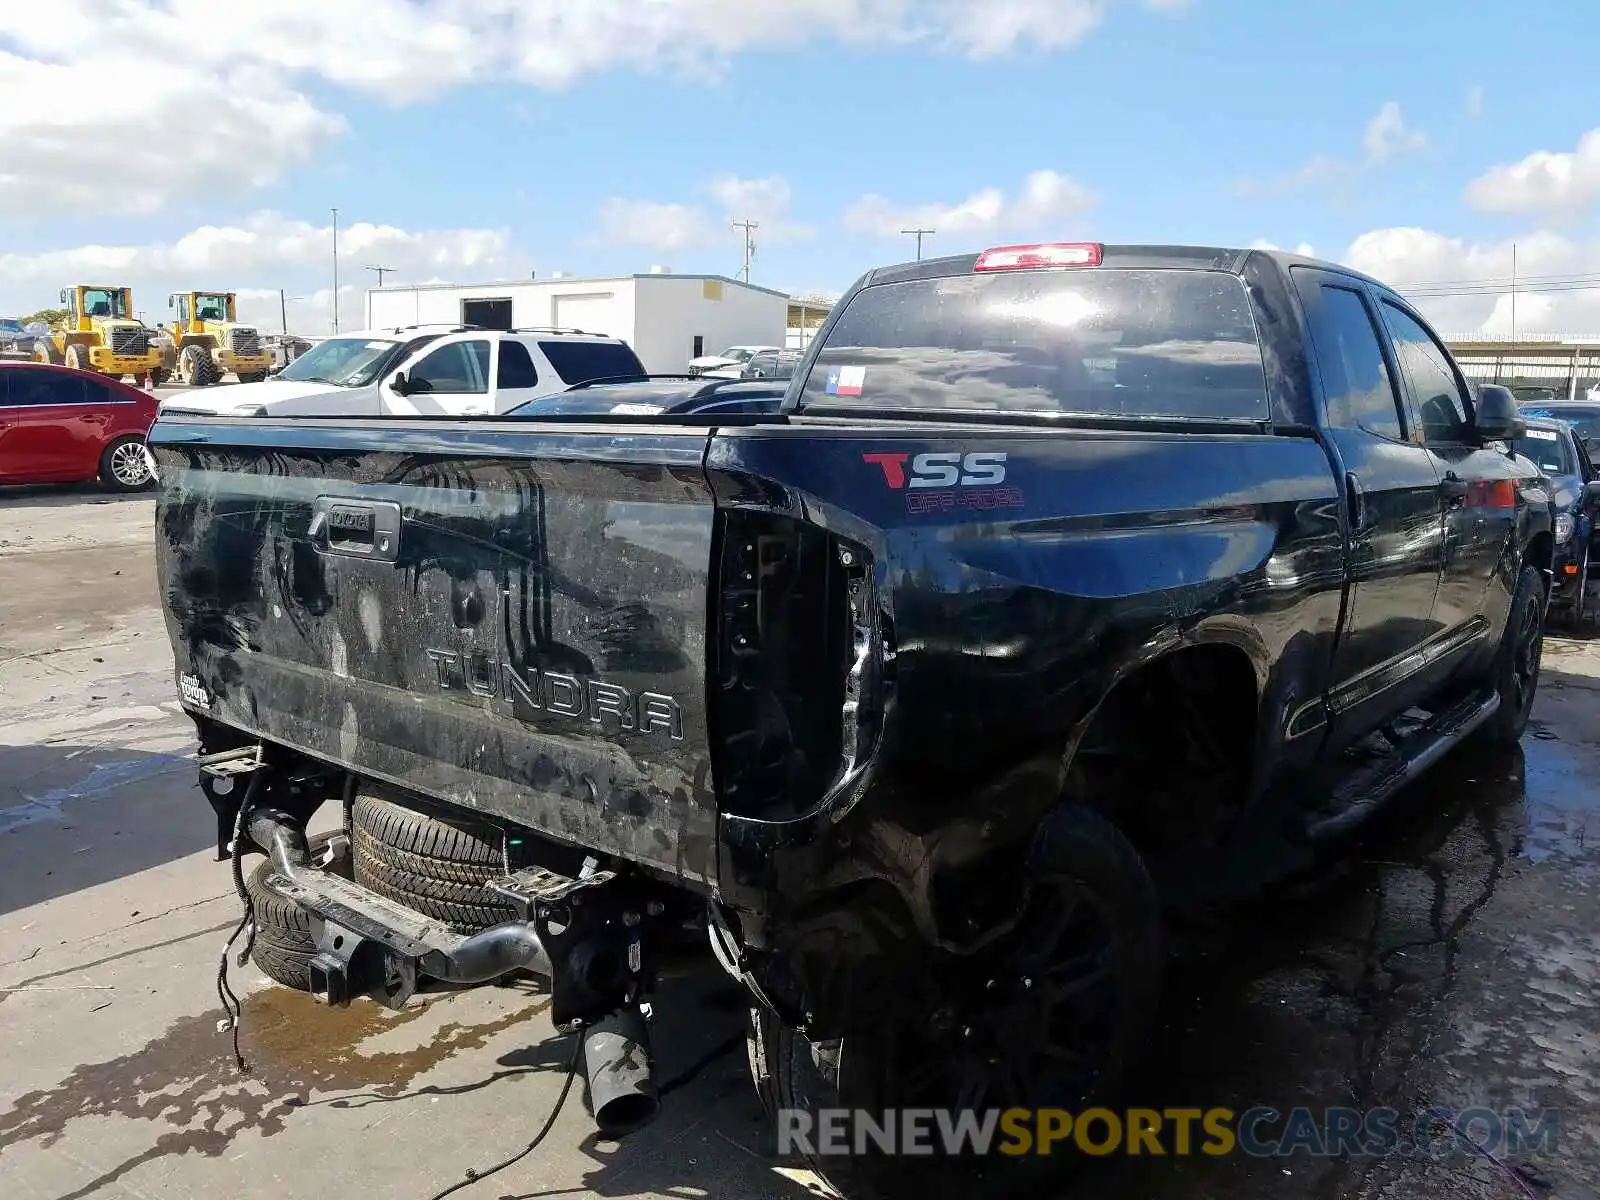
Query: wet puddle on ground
{"points": [[300, 1054], [1341, 989]]}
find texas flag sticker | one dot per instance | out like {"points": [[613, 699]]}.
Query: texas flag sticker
{"points": [[846, 381]]}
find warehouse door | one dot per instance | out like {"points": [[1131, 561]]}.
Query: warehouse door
{"points": [[591, 312], [487, 314]]}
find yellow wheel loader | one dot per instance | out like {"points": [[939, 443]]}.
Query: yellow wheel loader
{"points": [[101, 334], [208, 342]]}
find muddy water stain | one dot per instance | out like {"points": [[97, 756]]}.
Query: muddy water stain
{"points": [[186, 1080]]}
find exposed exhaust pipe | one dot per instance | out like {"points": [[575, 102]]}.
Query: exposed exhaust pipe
{"points": [[616, 1059]]}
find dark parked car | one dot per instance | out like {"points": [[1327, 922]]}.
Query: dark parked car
{"points": [[1582, 415], [1554, 448], [1071, 587], [58, 425], [676, 395]]}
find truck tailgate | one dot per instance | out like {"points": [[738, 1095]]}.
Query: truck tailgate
{"points": [[508, 619]]}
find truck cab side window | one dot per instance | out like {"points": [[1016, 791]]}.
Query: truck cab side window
{"points": [[1435, 390], [1360, 392]]}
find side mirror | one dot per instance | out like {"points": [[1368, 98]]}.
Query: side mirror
{"points": [[1497, 418], [400, 385], [1591, 492]]}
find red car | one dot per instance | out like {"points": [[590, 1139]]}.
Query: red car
{"points": [[58, 425]]}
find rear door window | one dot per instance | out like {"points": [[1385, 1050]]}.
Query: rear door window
{"points": [[1355, 376], [1097, 341], [516, 366], [579, 362], [46, 388], [1435, 389]]}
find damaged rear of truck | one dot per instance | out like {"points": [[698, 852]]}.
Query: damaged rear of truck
{"points": [[1030, 611]]}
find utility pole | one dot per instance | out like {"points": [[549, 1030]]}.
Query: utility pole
{"points": [[919, 234], [1513, 291], [336, 270], [749, 228], [382, 271], [283, 308]]}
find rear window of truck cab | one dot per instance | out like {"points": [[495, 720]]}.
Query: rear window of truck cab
{"points": [[1096, 341]]}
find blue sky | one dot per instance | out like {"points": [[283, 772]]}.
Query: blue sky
{"points": [[478, 139]]}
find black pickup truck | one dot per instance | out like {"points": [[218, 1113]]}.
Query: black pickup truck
{"points": [[1065, 580]]}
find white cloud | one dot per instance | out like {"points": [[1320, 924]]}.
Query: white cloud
{"points": [[264, 251], [1385, 137], [1544, 181], [114, 134], [1306, 249], [145, 100], [1475, 101], [664, 227], [671, 226], [998, 27], [1388, 136], [1044, 196], [1465, 287], [265, 242]]}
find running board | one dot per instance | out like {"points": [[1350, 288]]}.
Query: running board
{"points": [[1369, 788]]}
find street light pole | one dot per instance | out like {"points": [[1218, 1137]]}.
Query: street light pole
{"points": [[336, 270], [919, 234]]}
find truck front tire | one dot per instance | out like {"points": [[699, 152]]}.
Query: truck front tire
{"points": [[1089, 860]]}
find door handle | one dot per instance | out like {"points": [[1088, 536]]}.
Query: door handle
{"points": [[355, 528], [1358, 502]]}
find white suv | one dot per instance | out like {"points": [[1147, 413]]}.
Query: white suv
{"points": [[445, 370]]}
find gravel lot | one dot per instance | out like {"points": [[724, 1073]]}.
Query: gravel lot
{"points": [[1450, 957]]}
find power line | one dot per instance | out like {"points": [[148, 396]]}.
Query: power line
{"points": [[1522, 287], [919, 234], [1500, 279], [749, 228]]}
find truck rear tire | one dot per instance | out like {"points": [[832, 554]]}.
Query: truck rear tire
{"points": [[1517, 663], [283, 946], [434, 865], [862, 1072], [251, 376]]}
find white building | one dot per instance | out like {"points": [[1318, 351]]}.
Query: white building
{"points": [[667, 319]]}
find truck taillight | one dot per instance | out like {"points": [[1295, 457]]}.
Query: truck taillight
{"points": [[1040, 254], [784, 690]]}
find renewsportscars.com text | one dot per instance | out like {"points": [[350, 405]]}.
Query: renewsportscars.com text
{"points": [[1261, 1132]]}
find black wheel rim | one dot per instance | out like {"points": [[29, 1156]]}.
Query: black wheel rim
{"points": [[1033, 1023], [1525, 657]]}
